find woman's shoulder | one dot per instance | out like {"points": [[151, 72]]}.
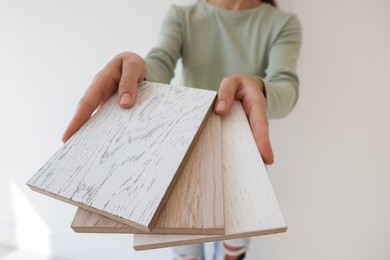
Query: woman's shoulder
{"points": [[187, 14], [279, 17], [188, 9]]}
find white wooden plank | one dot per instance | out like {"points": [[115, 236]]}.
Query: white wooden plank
{"points": [[251, 208], [196, 203], [124, 162]]}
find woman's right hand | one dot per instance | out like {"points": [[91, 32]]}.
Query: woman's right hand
{"points": [[123, 73]]}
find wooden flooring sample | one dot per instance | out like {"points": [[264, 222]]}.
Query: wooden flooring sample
{"points": [[124, 163], [251, 208], [196, 202]]}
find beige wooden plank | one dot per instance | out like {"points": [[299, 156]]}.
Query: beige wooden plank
{"points": [[251, 208], [85, 221], [196, 203], [124, 163]]}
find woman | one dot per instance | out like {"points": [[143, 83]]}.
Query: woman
{"points": [[245, 49]]}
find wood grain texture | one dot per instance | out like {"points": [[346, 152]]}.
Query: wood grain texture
{"points": [[196, 203], [123, 163], [251, 208]]}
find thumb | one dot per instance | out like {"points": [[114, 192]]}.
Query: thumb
{"points": [[133, 72], [226, 95]]}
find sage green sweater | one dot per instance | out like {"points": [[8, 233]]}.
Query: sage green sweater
{"points": [[214, 43]]}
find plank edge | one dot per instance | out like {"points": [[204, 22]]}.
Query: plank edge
{"points": [[91, 209], [209, 239]]}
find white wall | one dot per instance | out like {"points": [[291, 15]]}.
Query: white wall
{"points": [[331, 174]]}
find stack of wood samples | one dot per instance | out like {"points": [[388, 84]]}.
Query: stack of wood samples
{"points": [[195, 205], [168, 170]]}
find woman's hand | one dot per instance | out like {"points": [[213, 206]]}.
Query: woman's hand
{"points": [[123, 73], [250, 90]]}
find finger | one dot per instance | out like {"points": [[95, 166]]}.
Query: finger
{"points": [[131, 75], [91, 100], [226, 94], [259, 124], [83, 112]]}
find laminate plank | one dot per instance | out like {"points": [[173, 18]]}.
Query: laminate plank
{"points": [[251, 208], [196, 203], [124, 163], [85, 221]]}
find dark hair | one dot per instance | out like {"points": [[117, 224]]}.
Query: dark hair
{"points": [[271, 2]]}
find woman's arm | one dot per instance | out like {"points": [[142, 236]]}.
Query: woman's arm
{"points": [[271, 97], [161, 60], [281, 80]]}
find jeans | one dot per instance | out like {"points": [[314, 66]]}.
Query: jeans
{"points": [[197, 250]]}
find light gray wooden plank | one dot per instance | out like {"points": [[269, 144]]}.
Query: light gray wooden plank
{"points": [[196, 203], [123, 163], [251, 208]]}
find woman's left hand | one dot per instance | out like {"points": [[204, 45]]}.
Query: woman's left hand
{"points": [[250, 90]]}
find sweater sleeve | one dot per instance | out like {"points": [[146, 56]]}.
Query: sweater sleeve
{"points": [[281, 80], [161, 60]]}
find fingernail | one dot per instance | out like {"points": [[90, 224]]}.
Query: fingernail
{"points": [[125, 99], [221, 105]]}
